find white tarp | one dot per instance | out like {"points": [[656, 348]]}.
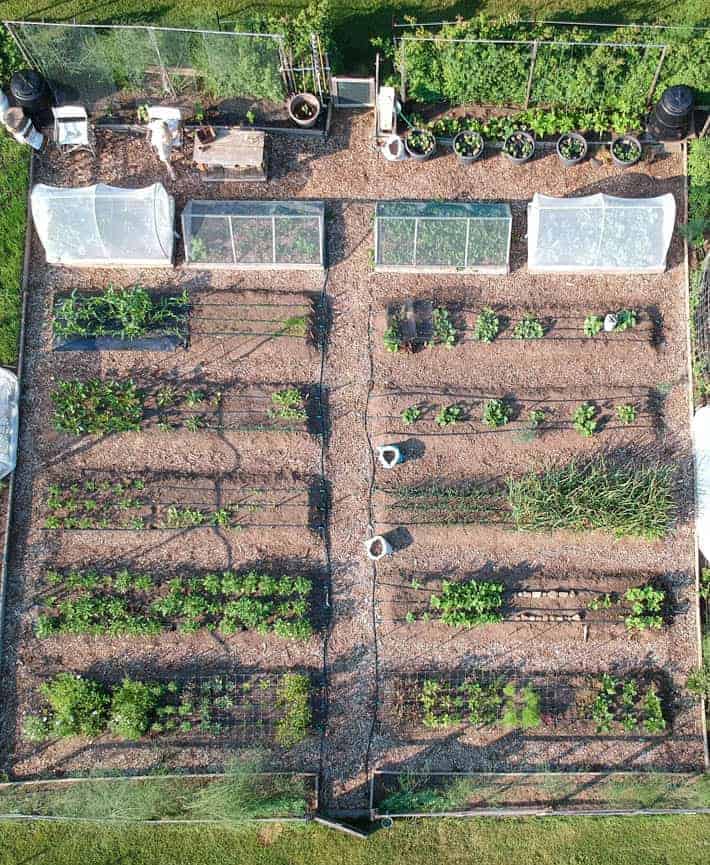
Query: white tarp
{"points": [[599, 233], [9, 396], [701, 452], [105, 225]]}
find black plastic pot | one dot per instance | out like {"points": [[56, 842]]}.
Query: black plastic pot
{"points": [[467, 159], [301, 104], [670, 119], [29, 91], [519, 137], [568, 161], [416, 154], [631, 140]]}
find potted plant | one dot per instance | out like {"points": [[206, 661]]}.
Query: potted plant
{"points": [[519, 147], [204, 132], [304, 109], [571, 148], [468, 145], [420, 144], [625, 150]]}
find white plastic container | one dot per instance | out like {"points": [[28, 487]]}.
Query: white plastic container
{"points": [[389, 456], [377, 547]]}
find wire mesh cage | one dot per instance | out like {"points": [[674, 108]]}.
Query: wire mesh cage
{"points": [[599, 233], [442, 236], [106, 68], [254, 234]]}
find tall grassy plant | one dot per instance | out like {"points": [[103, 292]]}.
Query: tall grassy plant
{"points": [[628, 501]]}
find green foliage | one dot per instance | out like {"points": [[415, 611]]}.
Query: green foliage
{"points": [[496, 413], [521, 709], [293, 699], [444, 330], [624, 703], [96, 406], [469, 143], [289, 405], [625, 149], [135, 604], [536, 418], [421, 141], [519, 145], [529, 327], [448, 415], [704, 590], [698, 682], [411, 415], [593, 324], [392, 337], [626, 413], [469, 604], [646, 608], [628, 501], [699, 186], [443, 505], [584, 419], [78, 706], [625, 320], [134, 706], [487, 326], [14, 176]]}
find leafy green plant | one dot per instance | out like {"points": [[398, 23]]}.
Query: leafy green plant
{"points": [[625, 320], [468, 604], [198, 249], [134, 706], [289, 405], [698, 681], [536, 418], [646, 608], [626, 413], [593, 324], [625, 702], [469, 143], [529, 327], [521, 709], [293, 698], [487, 326], [584, 419], [421, 141], [97, 407], [411, 415], [78, 706], [448, 415], [625, 149], [496, 413], [444, 332], [393, 334]]}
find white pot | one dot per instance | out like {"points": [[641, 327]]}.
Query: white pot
{"points": [[377, 547], [610, 322], [389, 456], [393, 149]]}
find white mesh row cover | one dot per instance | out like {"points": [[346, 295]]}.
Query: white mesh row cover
{"points": [[9, 399], [701, 450], [105, 225], [599, 233]]}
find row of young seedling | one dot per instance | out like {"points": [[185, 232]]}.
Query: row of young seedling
{"points": [[612, 704], [135, 709], [141, 604], [474, 603], [97, 407], [446, 329], [586, 418]]}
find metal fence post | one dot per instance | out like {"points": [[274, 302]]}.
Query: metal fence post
{"points": [[651, 89], [167, 85], [533, 58]]}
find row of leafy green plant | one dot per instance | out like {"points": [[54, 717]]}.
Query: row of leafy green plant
{"points": [[125, 503], [615, 76], [697, 229], [497, 413], [96, 407], [472, 603], [626, 500], [76, 705], [124, 603], [612, 704], [125, 313]]}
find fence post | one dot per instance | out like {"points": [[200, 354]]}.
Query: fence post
{"points": [[167, 86], [402, 70], [651, 89], [533, 57]]}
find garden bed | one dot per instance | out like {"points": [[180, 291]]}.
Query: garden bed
{"points": [[252, 333]]}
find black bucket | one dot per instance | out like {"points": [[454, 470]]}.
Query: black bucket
{"points": [[29, 91], [671, 118]]}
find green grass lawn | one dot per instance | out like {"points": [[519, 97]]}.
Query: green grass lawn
{"points": [[356, 21], [549, 841]]}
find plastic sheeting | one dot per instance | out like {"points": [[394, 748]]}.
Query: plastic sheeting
{"points": [[105, 225], [599, 233], [9, 398]]}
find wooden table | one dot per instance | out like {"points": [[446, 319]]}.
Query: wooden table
{"points": [[234, 155]]}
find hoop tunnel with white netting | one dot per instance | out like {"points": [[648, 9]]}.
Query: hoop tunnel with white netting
{"points": [[254, 234], [105, 226], [444, 236], [599, 233]]}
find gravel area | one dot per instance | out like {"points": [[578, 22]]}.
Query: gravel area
{"points": [[364, 389]]}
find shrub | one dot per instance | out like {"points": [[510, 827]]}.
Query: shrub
{"points": [[469, 604], [293, 698], [78, 705], [496, 413], [629, 500], [584, 419], [529, 327], [133, 708], [487, 326]]}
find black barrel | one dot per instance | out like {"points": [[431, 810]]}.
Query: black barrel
{"points": [[671, 118], [29, 90]]}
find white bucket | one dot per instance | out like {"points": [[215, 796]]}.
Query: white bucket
{"points": [[377, 547], [389, 456], [393, 149], [4, 105]]}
